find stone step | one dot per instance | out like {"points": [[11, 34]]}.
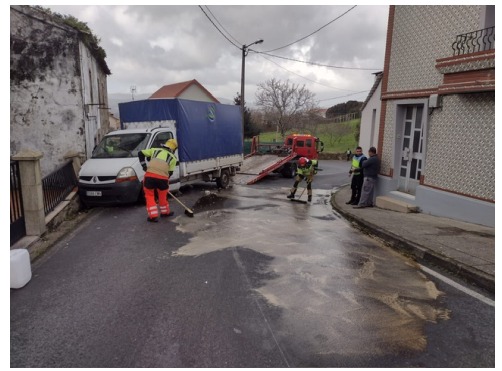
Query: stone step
{"points": [[389, 203]]}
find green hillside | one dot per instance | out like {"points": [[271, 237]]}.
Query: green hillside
{"points": [[337, 137]]}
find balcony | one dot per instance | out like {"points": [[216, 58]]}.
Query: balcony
{"points": [[475, 41]]}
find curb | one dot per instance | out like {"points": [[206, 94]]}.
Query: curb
{"points": [[419, 253]]}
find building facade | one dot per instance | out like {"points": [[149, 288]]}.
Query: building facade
{"points": [[58, 89], [370, 116], [437, 120]]}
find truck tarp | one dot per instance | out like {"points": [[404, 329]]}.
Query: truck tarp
{"points": [[204, 129]]}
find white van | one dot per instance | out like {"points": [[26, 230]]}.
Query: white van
{"points": [[113, 175]]}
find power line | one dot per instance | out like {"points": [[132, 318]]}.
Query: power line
{"points": [[230, 41], [216, 19], [303, 38], [344, 96], [303, 77], [319, 64], [290, 59]]}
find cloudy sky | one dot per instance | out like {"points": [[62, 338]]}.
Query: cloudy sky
{"points": [[155, 45]]}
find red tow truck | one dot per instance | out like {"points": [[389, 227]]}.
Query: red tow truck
{"points": [[265, 159]]}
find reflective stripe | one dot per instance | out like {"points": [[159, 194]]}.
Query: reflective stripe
{"points": [[153, 212]]}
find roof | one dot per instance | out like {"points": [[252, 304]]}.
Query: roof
{"points": [[378, 78], [175, 90]]}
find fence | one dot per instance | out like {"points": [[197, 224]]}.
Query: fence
{"points": [[57, 185], [17, 224]]}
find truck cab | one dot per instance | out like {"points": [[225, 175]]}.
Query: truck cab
{"points": [[304, 145], [113, 174]]}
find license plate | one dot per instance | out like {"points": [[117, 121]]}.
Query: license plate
{"points": [[93, 193]]}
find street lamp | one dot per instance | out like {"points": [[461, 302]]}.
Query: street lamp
{"points": [[244, 53]]}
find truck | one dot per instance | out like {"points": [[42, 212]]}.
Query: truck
{"points": [[210, 148], [268, 158]]}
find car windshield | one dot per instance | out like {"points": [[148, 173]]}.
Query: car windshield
{"points": [[121, 145]]}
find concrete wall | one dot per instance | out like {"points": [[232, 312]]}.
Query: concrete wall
{"points": [[370, 121], [195, 93], [49, 89]]}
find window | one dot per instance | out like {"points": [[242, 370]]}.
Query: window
{"points": [[161, 138]]}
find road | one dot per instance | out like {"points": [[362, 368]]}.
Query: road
{"points": [[253, 280]]}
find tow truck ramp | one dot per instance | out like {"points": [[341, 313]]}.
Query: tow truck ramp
{"points": [[258, 166]]}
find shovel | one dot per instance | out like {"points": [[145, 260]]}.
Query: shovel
{"points": [[188, 212]]}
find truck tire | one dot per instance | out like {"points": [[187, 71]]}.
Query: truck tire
{"points": [[224, 180], [289, 170]]}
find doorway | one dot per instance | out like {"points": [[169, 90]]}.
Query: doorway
{"points": [[412, 149]]}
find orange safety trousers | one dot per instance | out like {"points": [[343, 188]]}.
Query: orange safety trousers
{"points": [[151, 183]]}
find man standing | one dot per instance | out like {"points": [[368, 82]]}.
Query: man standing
{"points": [[371, 168], [349, 152], [306, 170], [357, 176], [161, 165]]}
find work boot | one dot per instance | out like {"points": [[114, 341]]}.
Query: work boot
{"points": [[291, 195], [152, 220], [168, 214], [351, 202]]}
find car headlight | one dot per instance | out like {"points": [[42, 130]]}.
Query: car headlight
{"points": [[126, 174]]}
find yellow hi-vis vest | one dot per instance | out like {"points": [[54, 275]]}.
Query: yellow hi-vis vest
{"points": [[356, 164], [310, 170], [162, 161]]}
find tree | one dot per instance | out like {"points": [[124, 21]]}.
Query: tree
{"points": [[250, 129], [284, 104], [351, 106]]}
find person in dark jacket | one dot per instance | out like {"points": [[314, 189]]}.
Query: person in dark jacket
{"points": [[371, 168]]}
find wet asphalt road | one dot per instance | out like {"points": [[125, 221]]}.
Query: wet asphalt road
{"points": [[253, 280]]}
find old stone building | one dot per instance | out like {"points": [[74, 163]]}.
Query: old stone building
{"points": [[58, 89]]}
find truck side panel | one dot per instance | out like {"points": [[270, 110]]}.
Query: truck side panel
{"points": [[196, 167], [208, 130]]}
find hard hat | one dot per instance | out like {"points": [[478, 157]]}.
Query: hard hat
{"points": [[302, 162], [172, 144]]}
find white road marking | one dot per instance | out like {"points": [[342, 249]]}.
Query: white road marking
{"points": [[452, 283]]}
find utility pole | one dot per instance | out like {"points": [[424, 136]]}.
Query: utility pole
{"points": [[244, 54], [133, 91]]}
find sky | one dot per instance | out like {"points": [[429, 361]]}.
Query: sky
{"points": [[151, 46]]}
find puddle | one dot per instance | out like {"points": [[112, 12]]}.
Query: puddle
{"points": [[338, 290]]}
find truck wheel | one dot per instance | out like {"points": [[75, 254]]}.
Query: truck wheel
{"points": [[224, 180], [289, 170]]}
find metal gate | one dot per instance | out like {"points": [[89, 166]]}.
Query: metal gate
{"points": [[17, 225]]}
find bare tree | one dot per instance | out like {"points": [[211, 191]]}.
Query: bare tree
{"points": [[284, 103]]}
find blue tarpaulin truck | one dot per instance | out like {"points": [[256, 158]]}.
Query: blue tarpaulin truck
{"points": [[209, 139]]}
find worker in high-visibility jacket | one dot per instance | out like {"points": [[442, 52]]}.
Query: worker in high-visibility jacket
{"points": [[356, 172], [306, 170], [161, 165]]}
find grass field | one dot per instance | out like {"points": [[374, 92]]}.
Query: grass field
{"points": [[337, 137]]}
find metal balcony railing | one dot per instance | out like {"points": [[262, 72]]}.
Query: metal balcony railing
{"points": [[474, 41]]}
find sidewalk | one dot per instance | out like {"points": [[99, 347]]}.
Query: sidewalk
{"points": [[464, 249]]}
